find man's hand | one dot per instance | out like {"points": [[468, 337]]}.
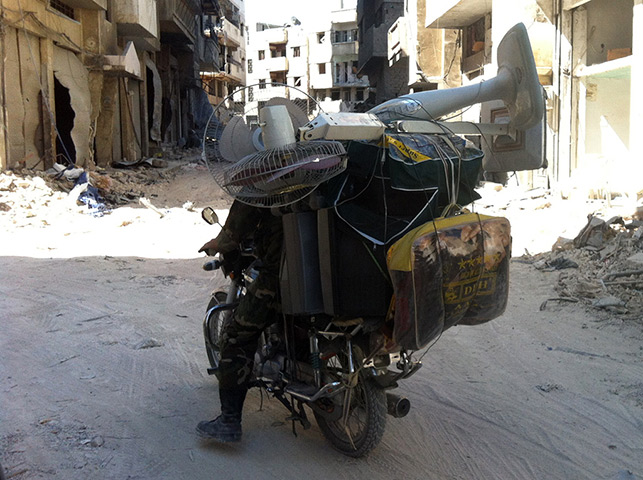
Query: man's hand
{"points": [[224, 243], [211, 248]]}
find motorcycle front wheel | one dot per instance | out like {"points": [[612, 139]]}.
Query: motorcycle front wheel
{"points": [[213, 327], [357, 427]]}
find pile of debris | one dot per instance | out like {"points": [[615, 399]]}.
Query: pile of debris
{"points": [[122, 184], [602, 267]]}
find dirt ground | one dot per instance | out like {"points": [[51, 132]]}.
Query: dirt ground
{"points": [[103, 370]]}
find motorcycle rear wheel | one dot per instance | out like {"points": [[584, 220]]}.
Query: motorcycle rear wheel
{"points": [[216, 324], [361, 430]]}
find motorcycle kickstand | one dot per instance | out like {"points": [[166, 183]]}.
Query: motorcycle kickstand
{"points": [[298, 414]]}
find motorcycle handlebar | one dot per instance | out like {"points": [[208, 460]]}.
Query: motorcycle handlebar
{"points": [[212, 265]]}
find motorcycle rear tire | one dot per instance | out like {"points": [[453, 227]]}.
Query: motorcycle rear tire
{"points": [[217, 324], [366, 420]]}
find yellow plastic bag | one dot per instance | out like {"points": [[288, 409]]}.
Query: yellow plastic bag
{"points": [[450, 271]]}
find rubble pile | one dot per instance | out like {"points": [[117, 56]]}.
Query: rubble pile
{"points": [[602, 267], [123, 183]]}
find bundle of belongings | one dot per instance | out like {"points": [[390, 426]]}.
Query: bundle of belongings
{"points": [[450, 271], [404, 198]]}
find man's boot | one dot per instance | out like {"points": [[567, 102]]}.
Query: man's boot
{"points": [[227, 426]]}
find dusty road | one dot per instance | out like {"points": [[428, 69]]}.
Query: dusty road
{"points": [[532, 395], [103, 371]]}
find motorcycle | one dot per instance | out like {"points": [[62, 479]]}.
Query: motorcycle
{"points": [[333, 366], [383, 259]]}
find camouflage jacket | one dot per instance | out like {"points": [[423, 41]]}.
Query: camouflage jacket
{"points": [[259, 223]]}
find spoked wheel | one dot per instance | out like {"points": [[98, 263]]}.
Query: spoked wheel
{"points": [[213, 327], [353, 421]]}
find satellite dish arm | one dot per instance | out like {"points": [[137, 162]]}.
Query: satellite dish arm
{"points": [[516, 84]]}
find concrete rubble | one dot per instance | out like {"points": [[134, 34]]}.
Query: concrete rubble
{"points": [[602, 267]]}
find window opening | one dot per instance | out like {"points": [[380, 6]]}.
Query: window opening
{"points": [[62, 8]]}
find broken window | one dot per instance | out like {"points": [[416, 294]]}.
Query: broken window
{"points": [[63, 8], [343, 36], [322, 68], [262, 54], [295, 51], [262, 83]]}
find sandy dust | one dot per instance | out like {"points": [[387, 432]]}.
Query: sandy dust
{"points": [[103, 366]]}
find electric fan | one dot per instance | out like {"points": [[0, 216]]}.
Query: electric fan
{"points": [[251, 150]]}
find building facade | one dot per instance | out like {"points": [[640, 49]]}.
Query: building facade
{"points": [[589, 56], [92, 82], [229, 30], [335, 81], [277, 60]]}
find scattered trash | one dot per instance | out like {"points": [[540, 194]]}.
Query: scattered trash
{"points": [[144, 162], [543, 305], [611, 303], [558, 263], [605, 302], [146, 203], [147, 343], [94, 442], [69, 172], [549, 387], [593, 234], [562, 244]]}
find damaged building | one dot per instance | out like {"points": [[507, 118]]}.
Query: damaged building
{"points": [[92, 82]]}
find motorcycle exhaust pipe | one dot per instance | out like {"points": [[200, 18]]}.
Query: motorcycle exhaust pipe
{"points": [[397, 406]]}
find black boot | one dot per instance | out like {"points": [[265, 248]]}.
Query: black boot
{"points": [[227, 426]]}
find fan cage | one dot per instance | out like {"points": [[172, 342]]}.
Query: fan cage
{"points": [[283, 175]]}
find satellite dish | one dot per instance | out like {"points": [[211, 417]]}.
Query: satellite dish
{"points": [[233, 129], [253, 154]]}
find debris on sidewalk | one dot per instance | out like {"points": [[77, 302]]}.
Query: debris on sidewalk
{"points": [[607, 261]]}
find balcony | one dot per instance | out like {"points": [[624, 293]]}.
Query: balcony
{"points": [[233, 72], [229, 35], [454, 13], [137, 18], [125, 65], [344, 49], [178, 19], [399, 40], [277, 64], [88, 4], [275, 35]]}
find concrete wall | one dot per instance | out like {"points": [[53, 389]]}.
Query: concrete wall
{"points": [[607, 117], [609, 26]]}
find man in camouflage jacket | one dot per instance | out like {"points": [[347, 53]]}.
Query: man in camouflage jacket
{"points": [[257, 309]]}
